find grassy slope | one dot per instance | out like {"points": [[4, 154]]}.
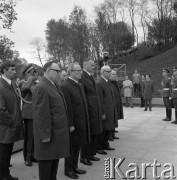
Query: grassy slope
{"points": [[153, 66]]}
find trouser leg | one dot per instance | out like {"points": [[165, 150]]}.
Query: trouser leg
{"points": [[100, 141], [54, 169], [175, 106], [93, 145], [48, 169], [150, 104], [85, 151], [5, 156], [72, 161], [106, 135], [28, 140], [146, 104]]}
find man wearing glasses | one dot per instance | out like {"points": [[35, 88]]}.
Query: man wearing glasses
{"points": [[78, 118], [108, 107], [51, 128]]}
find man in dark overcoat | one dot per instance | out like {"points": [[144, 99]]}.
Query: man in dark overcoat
{"points": [[108, 107], [78, 118], [94, 109], [11, 127], [118, 99], [148, 91], [50, 123]]}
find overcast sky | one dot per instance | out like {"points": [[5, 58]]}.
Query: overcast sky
{"points": [[33, 16]]}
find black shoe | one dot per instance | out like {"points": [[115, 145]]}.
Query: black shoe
{"points": [[28, 163], [93, 158], [150, 109], [145, 109], [86, 162], [109, 148], [167, 119], [9, 177], [10, 165], [71, 175], [79, 171], [116, 131], [174, 122], [114, 137], [101, 152], [34, 160], [111, 139]]}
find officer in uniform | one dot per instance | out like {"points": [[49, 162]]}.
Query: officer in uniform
{"points": [[26, 87], [174, 92], [166, 93]]}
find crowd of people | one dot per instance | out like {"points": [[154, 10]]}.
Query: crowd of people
{"points": [[62, 114], [141, 86], [68, 114]]}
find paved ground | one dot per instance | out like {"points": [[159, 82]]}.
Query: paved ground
{"points": [[144, 137]]}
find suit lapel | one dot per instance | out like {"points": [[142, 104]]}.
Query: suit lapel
{"points": [[12, 88]]}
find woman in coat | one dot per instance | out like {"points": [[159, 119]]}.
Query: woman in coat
{"points": [[128, 87]]}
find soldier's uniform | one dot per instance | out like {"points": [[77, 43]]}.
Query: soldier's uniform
{"points": [[26, 87], [166, 94], [174, 92]]}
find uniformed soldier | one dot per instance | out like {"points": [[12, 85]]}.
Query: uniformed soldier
{"points": [[26, 87], [166, 93], [174, 92]]}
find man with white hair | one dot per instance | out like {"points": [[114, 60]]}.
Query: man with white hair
{"points": [[107, 106]]}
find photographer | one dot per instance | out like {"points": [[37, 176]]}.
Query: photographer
{"points": [[26, 88]]}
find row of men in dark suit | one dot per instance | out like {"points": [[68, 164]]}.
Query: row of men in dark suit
{"points": [[78, 115]]}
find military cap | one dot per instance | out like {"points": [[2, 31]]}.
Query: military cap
{"points": [[167, 70], [28, 68], [174, 68]]}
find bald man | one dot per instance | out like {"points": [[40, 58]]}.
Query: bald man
{"points": [[108, 107]]}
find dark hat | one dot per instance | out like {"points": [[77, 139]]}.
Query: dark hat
{"points": [[167, 70], [174, 68], [28, 68]]}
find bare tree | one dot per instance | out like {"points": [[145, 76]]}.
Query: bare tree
{"points": [[132, 8], [39, 49], [164, 12], [143, 11]]}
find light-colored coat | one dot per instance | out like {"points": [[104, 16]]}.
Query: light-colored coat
{"points": [[127, 86]]}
